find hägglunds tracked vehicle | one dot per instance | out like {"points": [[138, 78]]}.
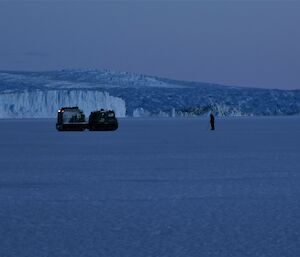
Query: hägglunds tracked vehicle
{"points": [[103, 120], [71, 119]]}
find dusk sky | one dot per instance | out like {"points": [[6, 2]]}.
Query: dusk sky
{"points": [[244, 43]]}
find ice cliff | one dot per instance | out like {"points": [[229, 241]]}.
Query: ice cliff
{"points": [[40, 94], [44, 104]]}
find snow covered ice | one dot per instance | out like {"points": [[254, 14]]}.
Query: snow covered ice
{"points": [[155, 187]]}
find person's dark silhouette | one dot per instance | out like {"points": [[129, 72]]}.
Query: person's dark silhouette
{"points": [[212, 122]]}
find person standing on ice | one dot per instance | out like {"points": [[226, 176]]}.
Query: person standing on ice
{"points": [[212, 121]]}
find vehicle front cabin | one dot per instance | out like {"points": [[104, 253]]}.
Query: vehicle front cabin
{"points": [[70, 119]]}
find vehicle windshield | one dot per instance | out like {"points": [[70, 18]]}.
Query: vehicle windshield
{"points": [[71, 116]]}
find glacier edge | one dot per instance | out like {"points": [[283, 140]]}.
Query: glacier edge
{"points": [[44, 104]]}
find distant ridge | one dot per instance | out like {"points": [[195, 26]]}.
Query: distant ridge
{"points": [[40, 94]]}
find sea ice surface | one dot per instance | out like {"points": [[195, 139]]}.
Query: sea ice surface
{"points": [[155, 187]]}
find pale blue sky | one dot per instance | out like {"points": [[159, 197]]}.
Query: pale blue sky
{"points": [[246, 43]]}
